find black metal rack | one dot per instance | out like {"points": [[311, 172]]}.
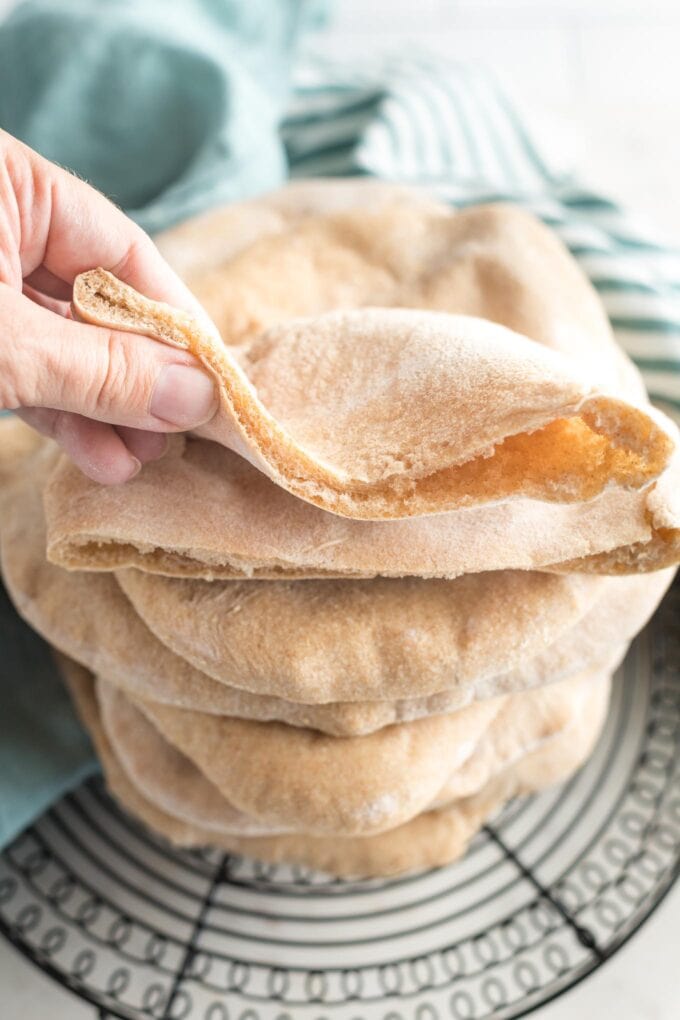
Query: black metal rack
{"points": [[546, 894]]}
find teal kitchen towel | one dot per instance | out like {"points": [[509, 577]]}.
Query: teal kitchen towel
{"points": [[416, 121], [167, 106], [44, 751]]}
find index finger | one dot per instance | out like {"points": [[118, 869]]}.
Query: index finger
{"points": [[68, 227]]}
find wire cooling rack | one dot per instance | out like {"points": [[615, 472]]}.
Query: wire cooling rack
{"points": [[546, 894]]}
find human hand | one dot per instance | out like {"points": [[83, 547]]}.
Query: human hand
{"points": [[107, 397]]}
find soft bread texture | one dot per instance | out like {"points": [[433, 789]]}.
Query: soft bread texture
{"points": [[661, 549], [226, 519], [17, 444], [523, 723], [373, 640], [350, 260], [342, 641], [87, 617], [297, 778], [164, 775], [390, 413], [202, 511], [493, 262], [430, 840], [357, 782], [197, 247], [433, 701]]}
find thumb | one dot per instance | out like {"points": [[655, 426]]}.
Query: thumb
{"points": [[47, 360]]}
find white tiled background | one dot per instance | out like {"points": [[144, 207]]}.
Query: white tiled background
{"points": [[606, 73]]}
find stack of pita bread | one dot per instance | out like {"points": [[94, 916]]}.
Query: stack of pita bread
{"points": [[384, 590]]}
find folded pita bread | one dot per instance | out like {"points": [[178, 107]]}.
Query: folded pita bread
{"points": [[492, 262], [432, 839], [371, 244], [169, 779], [202, 511], [88, 618], [391, 413]]}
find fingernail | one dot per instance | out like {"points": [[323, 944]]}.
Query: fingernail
{"points": [[135, 469], [183, 396]]}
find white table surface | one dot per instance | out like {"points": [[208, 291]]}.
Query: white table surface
{"points": [[608, 76]]}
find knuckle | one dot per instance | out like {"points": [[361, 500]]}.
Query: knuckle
{"points": [[135, 252], [114, 390]]}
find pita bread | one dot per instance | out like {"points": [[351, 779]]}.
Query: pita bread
{"points": [[494, 262], [661, 549], [205, 242], [530, 722], [505, 263], [430, 840], [202, 511], [490, 621], [164, 775], [88, 618], [525, 722], [434, 411], [17, 444], [296, 778], [360, 640], [419, 747], [377, 640]]}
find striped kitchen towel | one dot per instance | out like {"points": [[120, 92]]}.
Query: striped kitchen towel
{"points": [[452, 129]]}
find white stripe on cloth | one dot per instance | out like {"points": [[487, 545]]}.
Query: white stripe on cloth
{"points": [[428, 122]]}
